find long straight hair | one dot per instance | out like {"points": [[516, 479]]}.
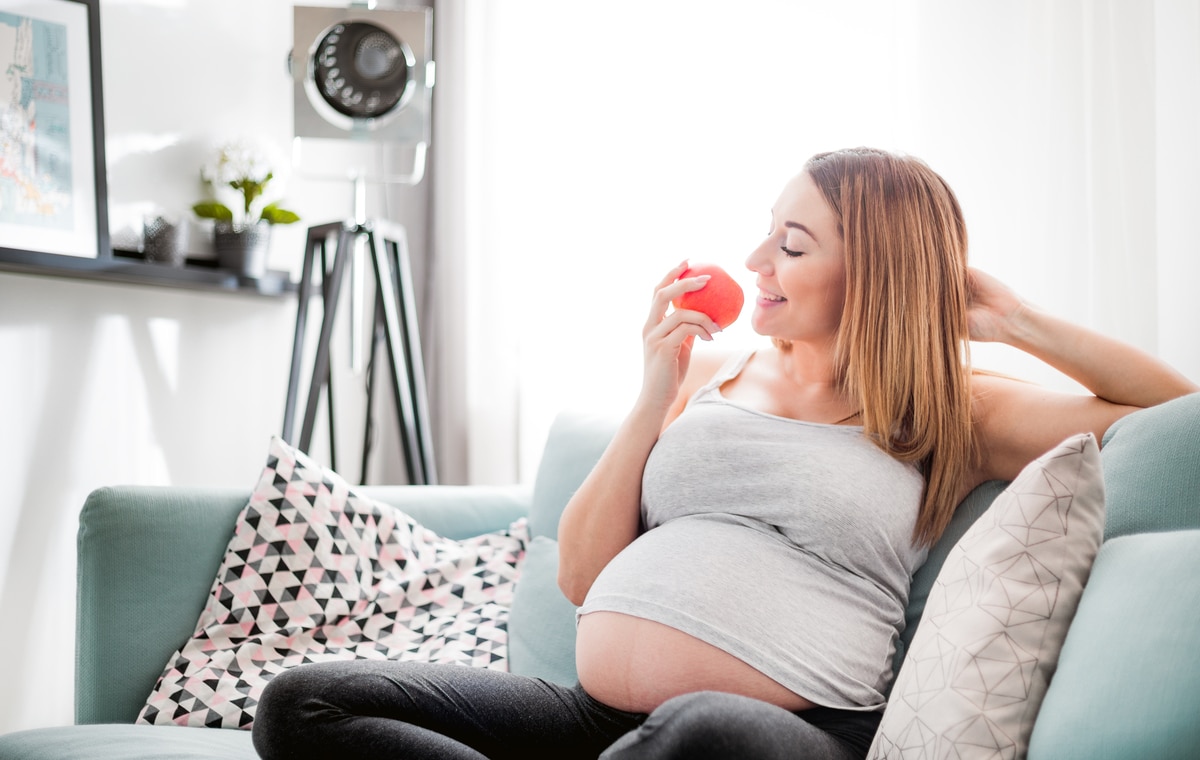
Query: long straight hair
{"points": [[902, 346]]}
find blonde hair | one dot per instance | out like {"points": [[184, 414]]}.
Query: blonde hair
{"points": [[901, 348]]}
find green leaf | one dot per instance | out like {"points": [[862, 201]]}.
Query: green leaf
{"points": [[249, 190], [213, 210], [275, 215]]}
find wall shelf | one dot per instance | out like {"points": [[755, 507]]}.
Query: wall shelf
{"points": [[131, 268]]}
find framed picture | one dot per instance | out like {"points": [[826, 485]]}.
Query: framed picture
{"points": [[53, 206]]}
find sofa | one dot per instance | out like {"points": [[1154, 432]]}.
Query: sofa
{"points": [[1127, 684]]}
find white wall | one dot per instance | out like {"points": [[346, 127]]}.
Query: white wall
{"points": [[108, 384], [1067, 130], [102, 383]]}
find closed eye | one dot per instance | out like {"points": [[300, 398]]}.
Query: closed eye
{"points": [[790, 252]]}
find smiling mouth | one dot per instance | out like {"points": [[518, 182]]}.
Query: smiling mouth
{"points": [[765, 296]]}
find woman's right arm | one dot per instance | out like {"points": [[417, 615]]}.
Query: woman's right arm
{"points": [[604, 515]]}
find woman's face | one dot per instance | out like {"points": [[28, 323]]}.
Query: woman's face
{"points": [[801, 268]]}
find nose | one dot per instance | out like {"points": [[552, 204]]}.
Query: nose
{"points": [[760, 261]]}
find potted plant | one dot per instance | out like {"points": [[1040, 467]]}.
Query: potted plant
{"points": [[241, 230]]}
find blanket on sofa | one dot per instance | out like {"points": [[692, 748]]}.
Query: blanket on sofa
{"points": [[317, 572]]}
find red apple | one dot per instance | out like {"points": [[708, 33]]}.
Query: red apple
{"points": [[721, 298]]}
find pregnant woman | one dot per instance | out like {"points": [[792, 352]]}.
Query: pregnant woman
{"points": [[741, 553]]}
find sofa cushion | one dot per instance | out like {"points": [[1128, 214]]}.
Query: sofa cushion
{"points": [[317, 572], [1152, 469], [996, 618], [1129, 670], [127, 742], [541, 624]]}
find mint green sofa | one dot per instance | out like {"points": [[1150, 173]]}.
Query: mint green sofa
{"points": [[1127, 685]]}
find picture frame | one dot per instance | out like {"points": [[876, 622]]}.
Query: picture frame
{"points": [[53, 197]]}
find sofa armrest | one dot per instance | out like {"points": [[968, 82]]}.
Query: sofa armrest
{"points": [[147, 558]]}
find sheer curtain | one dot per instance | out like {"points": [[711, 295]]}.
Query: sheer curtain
{"points": [[585, 148]]}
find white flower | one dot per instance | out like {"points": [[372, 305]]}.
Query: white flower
{"points": [[237, 160]]}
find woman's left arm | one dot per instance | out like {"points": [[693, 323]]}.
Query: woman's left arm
{"points": [[1019, 421]]}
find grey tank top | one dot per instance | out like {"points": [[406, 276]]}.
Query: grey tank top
{"points": [[787, 544]]}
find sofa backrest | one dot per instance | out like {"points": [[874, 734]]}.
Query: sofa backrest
{"points": [[1152, 469], [573, 446]]}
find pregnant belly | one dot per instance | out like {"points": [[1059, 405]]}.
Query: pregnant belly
{"points": [[635, 664]]}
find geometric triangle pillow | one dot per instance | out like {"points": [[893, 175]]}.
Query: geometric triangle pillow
{"points": [[316, 572], [988, 642]]}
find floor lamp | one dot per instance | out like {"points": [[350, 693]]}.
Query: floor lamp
{"points": [[363, 75]]}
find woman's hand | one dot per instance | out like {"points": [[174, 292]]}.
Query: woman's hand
{"points": [[993, 310], [668, 336]]}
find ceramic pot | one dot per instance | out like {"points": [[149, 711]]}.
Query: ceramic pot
{"points": [[242, 249], [162, 241]]}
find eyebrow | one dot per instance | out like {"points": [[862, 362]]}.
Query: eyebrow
{"points": [[802, 228]]}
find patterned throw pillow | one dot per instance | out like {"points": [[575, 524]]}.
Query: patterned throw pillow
{"points": [[982, 657], [315, 572]]}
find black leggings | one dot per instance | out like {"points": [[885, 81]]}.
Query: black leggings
{"points": [[385, 710]]}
